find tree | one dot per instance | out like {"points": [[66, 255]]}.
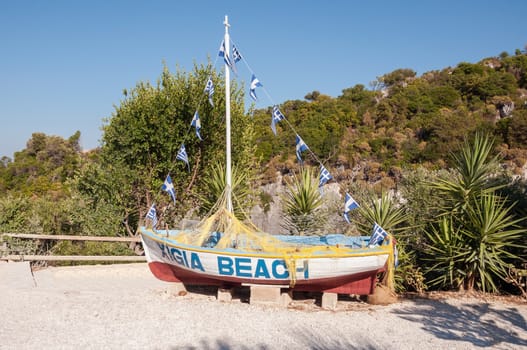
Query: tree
{"points": [[445, 131], [517, 66], [517, 130], [397, 77], [312, 96], [141, 140], [44, 165], [355, 101], [477, 82]]}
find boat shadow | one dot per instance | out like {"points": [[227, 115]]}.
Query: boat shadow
{"points": [[305, 338], [478, 323], [219, 344]]}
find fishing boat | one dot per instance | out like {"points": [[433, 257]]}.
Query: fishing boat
{"points": [[225, 251]]}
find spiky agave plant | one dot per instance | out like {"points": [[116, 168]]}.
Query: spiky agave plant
{"points": [[491, 233], [473, 166], [388, 212], [302, 204], [384, 211], [475, 248], [445, 253], [214, 186]]}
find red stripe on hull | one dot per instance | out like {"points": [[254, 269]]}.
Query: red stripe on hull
{"points": [[361, 284]]}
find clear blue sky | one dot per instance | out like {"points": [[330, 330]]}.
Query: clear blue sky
{"points": [[64, 64]]}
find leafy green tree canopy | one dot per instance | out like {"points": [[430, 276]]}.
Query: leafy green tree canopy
{"points": [[141, 140]]}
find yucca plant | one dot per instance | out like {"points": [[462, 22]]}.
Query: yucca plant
{"points": [[302, 204], [473, 165], [491, 233], [384, 211], [214, 187], [391, 215], [472, 243], [446, 252]]}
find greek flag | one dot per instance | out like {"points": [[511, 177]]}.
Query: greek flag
{"points": [[254, 84], [168, 187], [277, 116], [378, 235], [325, 176], [349, 205], [300, 147], [152, 215], [182, 155], [236, 55], [209, 88], [197, 124], [223, 54], [226, 58]]}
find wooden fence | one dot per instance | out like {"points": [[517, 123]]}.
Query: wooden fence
{"points": [[31, 257]]}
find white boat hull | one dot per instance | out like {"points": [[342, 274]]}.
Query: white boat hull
{"points": [[353, 273]]}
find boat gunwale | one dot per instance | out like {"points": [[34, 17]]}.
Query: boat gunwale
{"points": [[348, 252]]}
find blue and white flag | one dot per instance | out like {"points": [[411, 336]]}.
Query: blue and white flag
{"points": [[349, 205], [168, 187], [378, 235], [223, 53], [254, 84], [152, 215], [277, 116], [197, 124], [325, 176], [182, 155], [300, 147], [209, 89], [236, 55]]}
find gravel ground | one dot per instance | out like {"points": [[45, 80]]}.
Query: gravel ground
{"points": [[124, 307]]}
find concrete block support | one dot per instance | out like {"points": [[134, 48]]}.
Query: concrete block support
{"points": [[177, 289], [265, 295], [286, 298], [225, 294], [329, 301]]}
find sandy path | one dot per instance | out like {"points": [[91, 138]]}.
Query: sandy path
{"points": [[124, 307]]}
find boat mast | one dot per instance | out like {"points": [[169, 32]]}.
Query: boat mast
{"points": [[228, 172]]}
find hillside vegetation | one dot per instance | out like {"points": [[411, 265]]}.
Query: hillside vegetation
{"points": [[407, 121], [442, 152]]}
